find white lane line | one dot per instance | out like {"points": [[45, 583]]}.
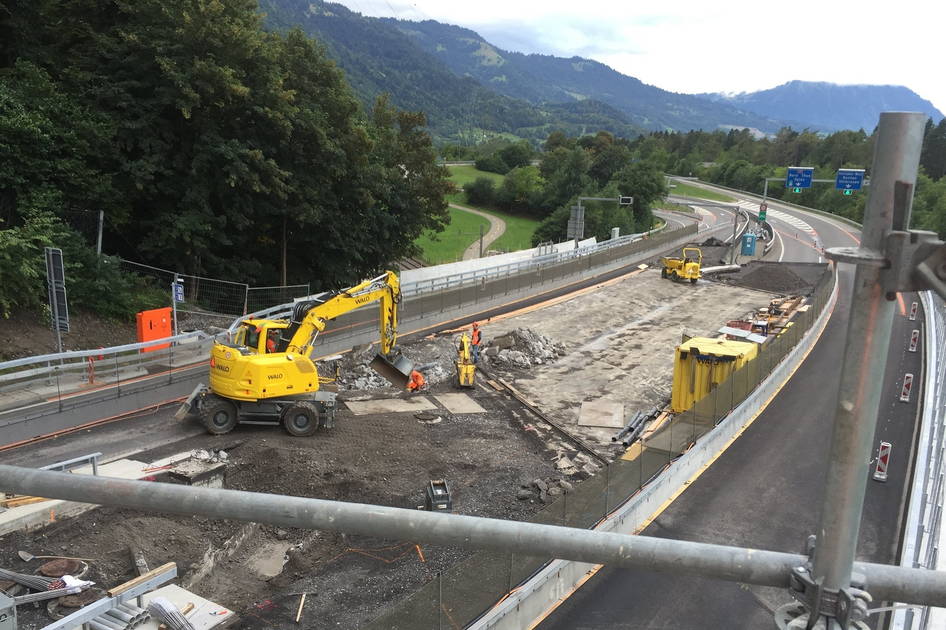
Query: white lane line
{"points": [[781, 245]]}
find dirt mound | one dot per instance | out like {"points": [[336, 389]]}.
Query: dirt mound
{"points": [[774, 277], [713, 242], [522, 348]]}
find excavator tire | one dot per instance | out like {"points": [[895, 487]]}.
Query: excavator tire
{"points": [[663, 272], [300, 419], [219, 416], [674, 276], [692, 280]]}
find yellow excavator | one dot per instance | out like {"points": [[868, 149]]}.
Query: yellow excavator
{"points": [[265, 375], [466, 369]]}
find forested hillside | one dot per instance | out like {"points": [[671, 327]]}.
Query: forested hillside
{"points": [[828, 106], [378, 58], [546, 78], [213, 147]]}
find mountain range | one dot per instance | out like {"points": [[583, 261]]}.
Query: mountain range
{"points": [[470, 89]]}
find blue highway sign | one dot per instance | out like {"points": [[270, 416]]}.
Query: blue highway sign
{"points": [[799, 176], [849, 179]]}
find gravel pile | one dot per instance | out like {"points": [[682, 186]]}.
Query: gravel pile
{"points": [[522, 348]]}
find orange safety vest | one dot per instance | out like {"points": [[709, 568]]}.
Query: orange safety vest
{"points": [[476, 336]]}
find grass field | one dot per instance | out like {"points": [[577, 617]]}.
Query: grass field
{"points": [[686, 190], [460, 175], [519, 229], [449, 245]]}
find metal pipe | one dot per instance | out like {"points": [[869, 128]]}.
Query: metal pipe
{"points": [[751, 566], [110, 623], [96, 625], [896, 160], [121, 615]]}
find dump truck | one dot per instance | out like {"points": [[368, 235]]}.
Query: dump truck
{"points": [[265, 374], [688, 267]]}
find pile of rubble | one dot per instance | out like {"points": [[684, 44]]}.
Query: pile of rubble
{"points": [[353, 370], [543, 490], [522, 348]]}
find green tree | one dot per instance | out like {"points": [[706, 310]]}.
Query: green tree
{"points": [[933, 157], [521, 190], [566, 174], [647, 184], [480, 192]]}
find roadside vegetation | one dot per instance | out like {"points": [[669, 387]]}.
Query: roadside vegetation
{"points": [[448, 246], [680, 189]]}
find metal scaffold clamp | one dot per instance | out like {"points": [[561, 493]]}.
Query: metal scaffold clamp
{"points": [[911, 260], [817, 607]]}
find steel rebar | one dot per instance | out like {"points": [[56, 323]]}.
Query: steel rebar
{"points": [[750, 566]]}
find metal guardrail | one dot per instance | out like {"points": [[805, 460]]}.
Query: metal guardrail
{"points": [[103, 364]]}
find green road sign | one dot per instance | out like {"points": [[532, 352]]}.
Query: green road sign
{"points": [[848, 191], [796, 190]]}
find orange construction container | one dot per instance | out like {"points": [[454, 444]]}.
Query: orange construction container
{"points": [[154, 324]]}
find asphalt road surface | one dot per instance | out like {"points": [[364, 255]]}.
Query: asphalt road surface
{"points": [[765, 491]]}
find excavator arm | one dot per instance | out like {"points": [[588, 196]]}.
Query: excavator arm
{"points": [[310, 317]]}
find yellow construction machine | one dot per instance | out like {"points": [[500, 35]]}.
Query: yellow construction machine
{"points": [[265, 375], [686, 268], [466, 369]]}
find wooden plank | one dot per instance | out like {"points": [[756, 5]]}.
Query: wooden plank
{"points": [[130, 584]]}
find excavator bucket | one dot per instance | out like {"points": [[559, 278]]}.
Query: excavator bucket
{"points": [[395, 368]]}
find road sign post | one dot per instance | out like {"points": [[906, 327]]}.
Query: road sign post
{"points": [[907, 388], [883, 462], [799, 177], [914, 340], [849, 179], [177, 295], [58, 304]]}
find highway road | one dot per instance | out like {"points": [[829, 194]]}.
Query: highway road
{"points": [[765, 491]]}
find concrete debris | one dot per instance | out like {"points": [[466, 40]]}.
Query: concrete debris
{"points": [[564, 463], [211, 456], [543, 490], [523, 348]]}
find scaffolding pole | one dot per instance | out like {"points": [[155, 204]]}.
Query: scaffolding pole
{"points": [[749, 566]]}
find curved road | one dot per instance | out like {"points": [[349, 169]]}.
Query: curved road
{"points": [[497, 227], [765, 490]]}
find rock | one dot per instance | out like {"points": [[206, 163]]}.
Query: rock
{"points": [[565, 485], [282, 534], [503, 342], [524, 495], [564, 463], [554, 491], [590, 469], [544, 497], [491, 351], [540, 485], [515, 358]]}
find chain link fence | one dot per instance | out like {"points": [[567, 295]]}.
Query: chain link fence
{"points": [[462, 593], [214, 302]]}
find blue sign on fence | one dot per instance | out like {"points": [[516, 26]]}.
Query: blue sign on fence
{"points": [[748, 244], [799, 176], [849, 179], [178, 291]]}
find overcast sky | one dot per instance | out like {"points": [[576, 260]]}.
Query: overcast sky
{"points": [[714, 46]]}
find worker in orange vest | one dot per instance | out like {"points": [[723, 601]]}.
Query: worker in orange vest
{"points": [[475, 342], [417, 381]]}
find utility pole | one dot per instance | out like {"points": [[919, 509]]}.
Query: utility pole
{"points": [[98, 241]]}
